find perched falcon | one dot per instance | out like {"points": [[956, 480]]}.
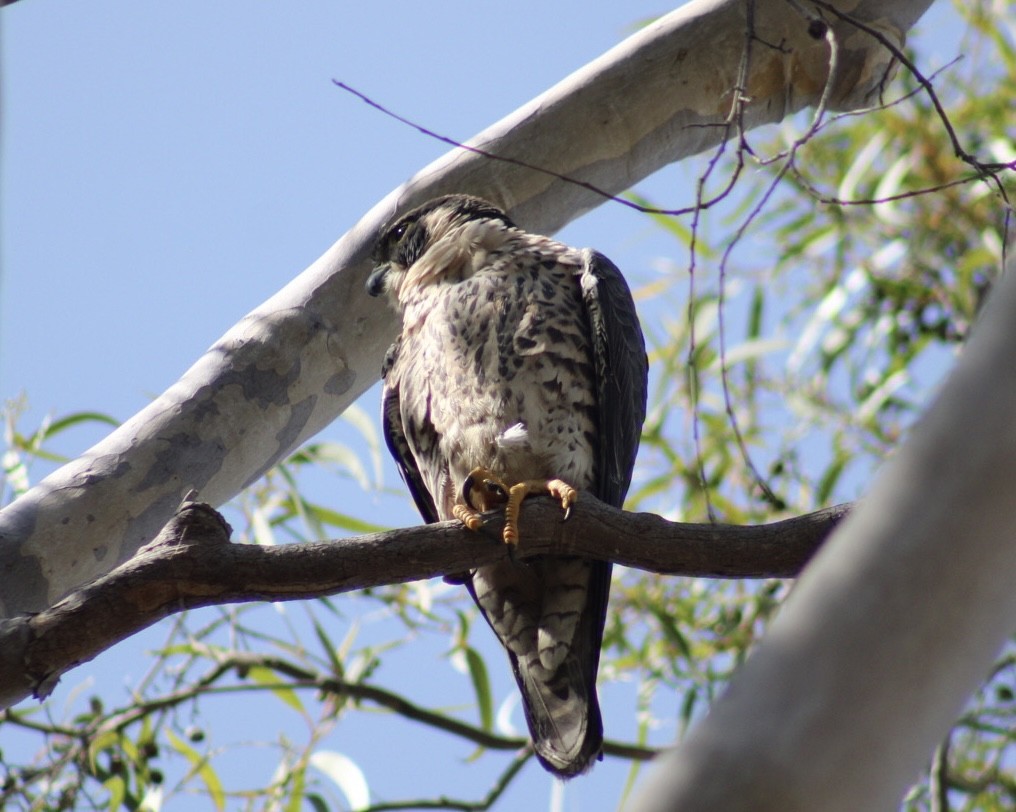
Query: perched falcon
{"points": [[520, 367]]}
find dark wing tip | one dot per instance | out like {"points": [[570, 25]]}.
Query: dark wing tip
{"points": [[398, 445], [622, 372]]}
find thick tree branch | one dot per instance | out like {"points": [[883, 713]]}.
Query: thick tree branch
{"points": [[192, 564], [892, 627], [297, 361]]}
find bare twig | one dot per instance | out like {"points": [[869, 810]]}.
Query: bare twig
{"points": [[493, 156], [294, 676], [938, 782], [443, 802], [983, 170]]}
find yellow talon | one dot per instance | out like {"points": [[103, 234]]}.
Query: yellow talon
{"points": [[564, 493], [469, 517], [483, 490], [560, 490]]}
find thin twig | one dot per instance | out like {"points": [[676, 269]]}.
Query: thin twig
{"points": [[631, 204], [938, 780], [443, 802], [984, 170]]}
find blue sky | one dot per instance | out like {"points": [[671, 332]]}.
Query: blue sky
{"points": [[169, 166], [166, 167]]}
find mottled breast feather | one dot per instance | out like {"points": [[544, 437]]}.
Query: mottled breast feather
{"points": [[524, 356]]}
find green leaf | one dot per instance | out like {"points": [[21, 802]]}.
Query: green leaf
{"points": [[317, 802], [688, 707], [117, 791], [755, 312], [333, 518], [672, 225], [297, 779], [74, 419], [261, 527], [103, 741], [753, 350], [201, 766], [342, 456], [366, 424], [670, 631], [266, 676], [830, 477], [481, 686], [329, 648]]}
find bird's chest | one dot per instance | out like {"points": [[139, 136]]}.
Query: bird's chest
{"points": [[499, 365]]}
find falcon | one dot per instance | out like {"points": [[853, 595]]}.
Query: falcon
{"points": [[520, 368]]}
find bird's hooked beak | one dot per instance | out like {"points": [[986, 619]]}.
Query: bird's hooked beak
{"points": [[376, 281]]}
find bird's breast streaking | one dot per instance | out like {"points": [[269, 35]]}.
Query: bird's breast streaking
{"points": [[500, 383]]}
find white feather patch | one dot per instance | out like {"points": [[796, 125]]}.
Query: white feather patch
{"points": [[514, 436]]}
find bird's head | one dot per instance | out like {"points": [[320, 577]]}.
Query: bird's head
{"points": [[436, 241]]}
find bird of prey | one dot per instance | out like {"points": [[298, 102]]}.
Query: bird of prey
{"points": [[520, 368]]}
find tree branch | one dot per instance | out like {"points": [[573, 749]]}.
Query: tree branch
{"points": [[891, 628], [297, 361], [192, 564], [444, 802], [297, 676]]}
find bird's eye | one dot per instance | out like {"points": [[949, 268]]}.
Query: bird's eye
{"points": [[408, 242]]}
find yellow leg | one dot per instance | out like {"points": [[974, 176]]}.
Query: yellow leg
{"points": [[559, 489], [483, 490]]}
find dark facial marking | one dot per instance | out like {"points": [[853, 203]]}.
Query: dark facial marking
{"points": [[405, 239], [403, 243]]}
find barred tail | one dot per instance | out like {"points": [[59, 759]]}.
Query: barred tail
{"points": [[549, 613]]}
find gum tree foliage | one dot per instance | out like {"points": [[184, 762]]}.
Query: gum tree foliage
{"points": [[784, 374]]}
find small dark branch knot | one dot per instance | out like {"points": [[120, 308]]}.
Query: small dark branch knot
{"points": [[780, 46], [45, 686], [193, 523]]}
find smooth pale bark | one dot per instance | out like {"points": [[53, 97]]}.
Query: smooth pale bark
{"points": [[290, 367], [891, 628]]}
